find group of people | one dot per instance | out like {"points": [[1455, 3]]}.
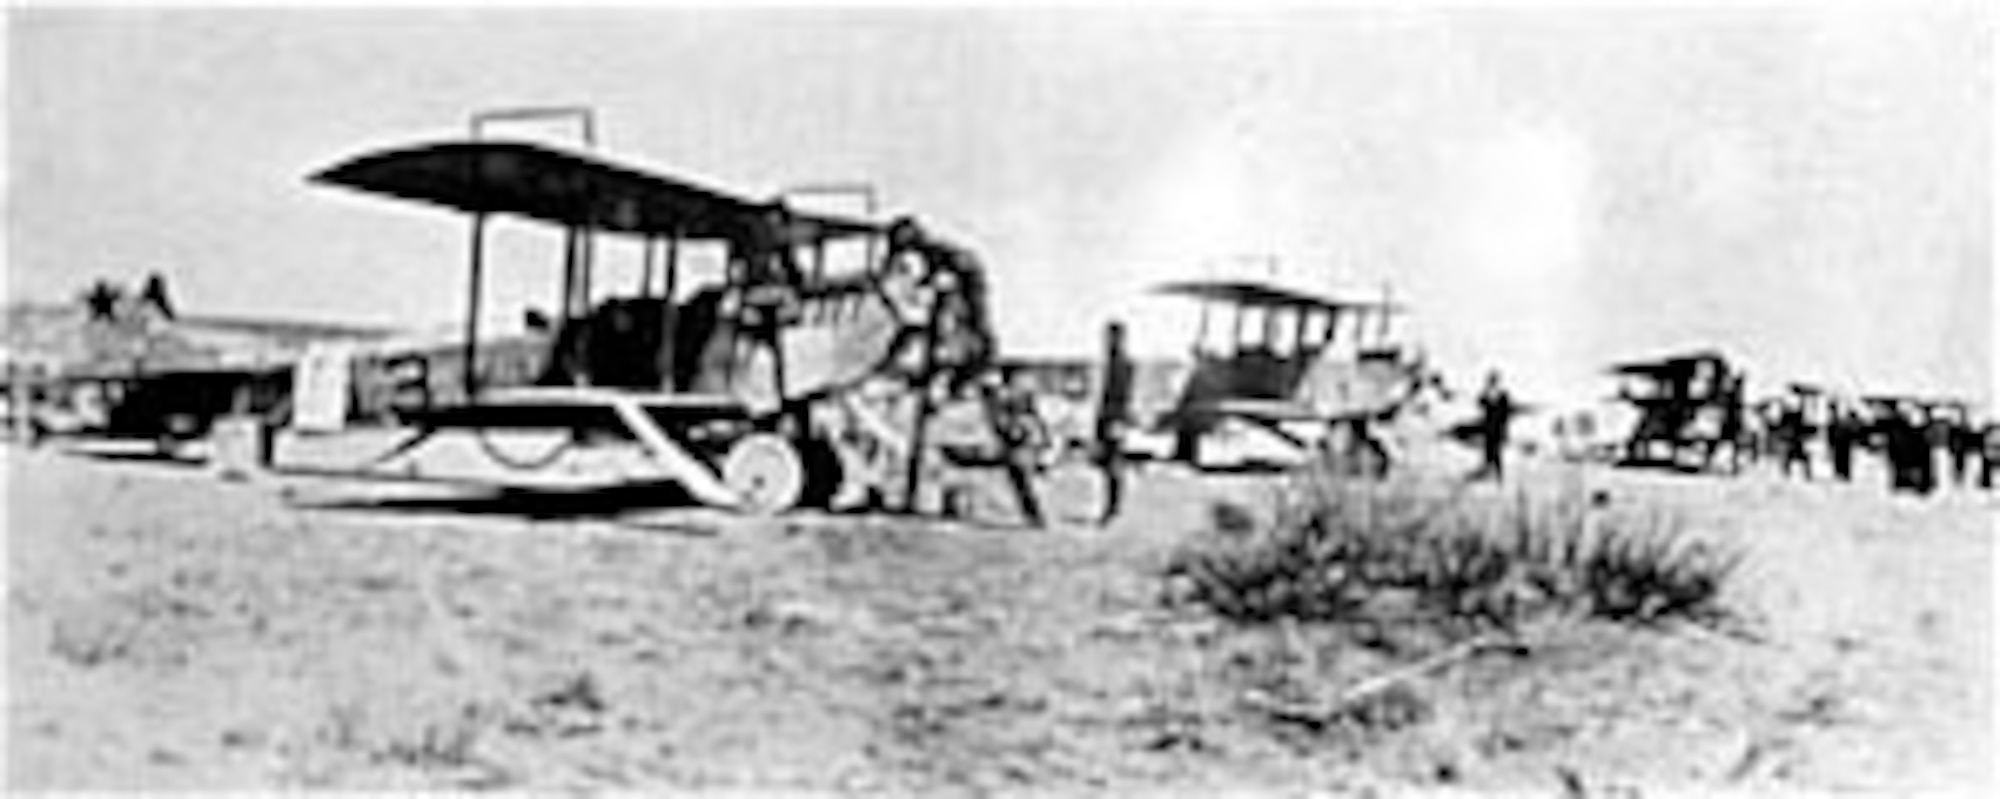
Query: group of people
{"points": [[1910, 436], [1919, 442]]}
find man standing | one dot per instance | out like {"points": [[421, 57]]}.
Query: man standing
{"points": [[1841, 431], [1909, 449], [1018, 427], [1113, 412], [1792, 435], [1496, 409], [1895, 428], [905, 282], [1928, 439], [1989, 451], [1962, 441], [954, 284]]}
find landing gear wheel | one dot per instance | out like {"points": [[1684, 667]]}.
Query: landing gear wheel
{"points": [[767, 472]]}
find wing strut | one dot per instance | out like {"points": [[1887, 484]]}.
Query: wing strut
{"points": [[472, 307]]}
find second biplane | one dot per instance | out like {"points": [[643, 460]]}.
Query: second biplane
{"points": [[1276, 366]]}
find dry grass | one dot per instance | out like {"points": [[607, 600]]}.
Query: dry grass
{"points": [[1334, 549]]}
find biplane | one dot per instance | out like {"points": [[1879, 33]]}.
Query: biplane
{"points": [[167, 405], [1275, 365], [781, 384], [1690, 403], [128, 371]]}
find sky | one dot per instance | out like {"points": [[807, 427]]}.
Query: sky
{"points": [[1807, 189]]}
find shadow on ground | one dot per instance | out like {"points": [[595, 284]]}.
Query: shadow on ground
{"points": [[610, 502], [148, 455]]}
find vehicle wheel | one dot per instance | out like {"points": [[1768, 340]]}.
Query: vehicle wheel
{"points": [[766, 471]]}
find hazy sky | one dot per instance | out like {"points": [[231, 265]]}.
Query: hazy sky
{"points": [[1551, 190]]}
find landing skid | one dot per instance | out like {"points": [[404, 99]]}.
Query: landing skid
{"points": [[633, 414], [757, 465]]}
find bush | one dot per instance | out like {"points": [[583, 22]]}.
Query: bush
{"points": [[1332, 547]]}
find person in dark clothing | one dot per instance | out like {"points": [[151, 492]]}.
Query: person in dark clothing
{"points": [[1929, 440], [1113, 413], [950, 292], [1496, 409], [1792, 434], [1770, 437], [1842, 432], [1018, 425], [1989, 452], [1962, 441], [1909, 451], [961, 283], [1894, 429]]}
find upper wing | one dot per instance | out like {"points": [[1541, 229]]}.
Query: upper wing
{"points": [[1264, 295], [1666, 366], [567, 188], [1279, 411]]}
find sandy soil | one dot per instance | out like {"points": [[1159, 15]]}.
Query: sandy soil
{"points": [[170, 630]]}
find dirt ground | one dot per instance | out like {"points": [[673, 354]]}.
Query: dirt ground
{"points": [[170, 630]]}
